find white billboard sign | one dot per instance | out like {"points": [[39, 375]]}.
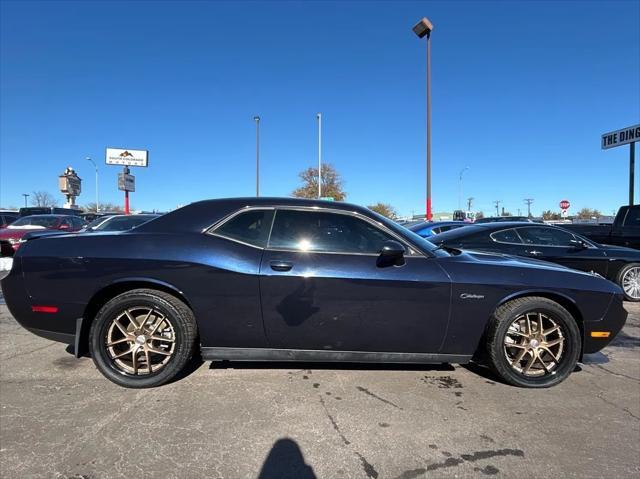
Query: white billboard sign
{"points": [[127, 157], [620, 137]]}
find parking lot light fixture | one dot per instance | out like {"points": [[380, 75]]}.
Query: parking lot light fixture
{"points": [[460, 187], [423, 29], [96, 168], [257, 120], [26, 195]]}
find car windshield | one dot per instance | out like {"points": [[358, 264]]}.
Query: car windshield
{"points": [[96, 222], [37, 221], [410, 235], [122, 223]]}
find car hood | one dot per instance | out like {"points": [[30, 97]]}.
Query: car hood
{"points": [[510, 260], [7, 233], [613, 250]]}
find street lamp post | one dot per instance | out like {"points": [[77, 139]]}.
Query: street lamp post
{"points": [[26, 195], [257, 120], [96, 168], [319, 117], [423, 29], [460, 187]]}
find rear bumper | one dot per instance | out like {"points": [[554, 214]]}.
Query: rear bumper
{"points": [[612, 322]]}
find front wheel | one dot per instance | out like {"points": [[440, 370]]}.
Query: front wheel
{"points": [[142, 338], [629, 281], [533, 342]]}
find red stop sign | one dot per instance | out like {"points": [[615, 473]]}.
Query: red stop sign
{"points": [[564, 204]]}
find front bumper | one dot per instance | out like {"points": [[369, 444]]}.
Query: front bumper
{"points": [[612, 322]]}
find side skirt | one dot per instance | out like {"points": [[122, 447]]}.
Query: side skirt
{"points": [[267, 354]]}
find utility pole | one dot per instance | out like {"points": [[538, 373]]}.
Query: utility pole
{"points": [[497, 203], [528, 201], [470, 202], [26, 195]]}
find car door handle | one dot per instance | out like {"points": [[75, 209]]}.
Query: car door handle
{"points": [[281, 265], [534, 252]]}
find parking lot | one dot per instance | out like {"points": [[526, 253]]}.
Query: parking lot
{"points": [[60, 418]]}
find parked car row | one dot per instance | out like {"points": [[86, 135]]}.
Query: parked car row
{"points": [[37, 226]]}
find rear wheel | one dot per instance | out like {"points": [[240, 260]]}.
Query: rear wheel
{"points": [[142, 338], [629, 281], [533, 342]]}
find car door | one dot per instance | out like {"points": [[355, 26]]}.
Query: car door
{"points": [[323, 287], [559, 246]]}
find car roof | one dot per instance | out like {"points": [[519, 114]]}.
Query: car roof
{"points": [[49, 216], [202, 214]]}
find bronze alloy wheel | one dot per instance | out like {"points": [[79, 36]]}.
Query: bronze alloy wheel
{"points": [[140, 341], [534, 344]]}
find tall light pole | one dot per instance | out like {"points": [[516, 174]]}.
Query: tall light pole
{"points": [[257, 120], [96, 168], [423, 29], [460, 187], [319, 117], [26, 195]]}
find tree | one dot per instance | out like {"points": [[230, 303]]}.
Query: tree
{"points": [[479, 215], [551, 215], [385, 209], [43, 198], [331, 183], [588, 213]]}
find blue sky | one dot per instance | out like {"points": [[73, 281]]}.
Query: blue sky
{"points": [[521, 94]]}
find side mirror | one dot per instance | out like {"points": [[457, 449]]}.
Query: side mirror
{"points": [[578, 244], [392, 253]]}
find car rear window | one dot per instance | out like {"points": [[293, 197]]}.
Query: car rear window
{"points": [[506, 236], [251, 227]]}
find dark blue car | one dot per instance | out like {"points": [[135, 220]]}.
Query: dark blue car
{"points": [[427, 229], [300, 280]]}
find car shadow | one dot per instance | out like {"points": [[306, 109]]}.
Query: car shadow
{"points": [[342, 366]]}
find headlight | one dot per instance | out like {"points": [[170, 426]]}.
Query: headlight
{"points": [[16, 241], [5, 265]]}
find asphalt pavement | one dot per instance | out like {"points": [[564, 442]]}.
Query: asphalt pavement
{"points": [[60, 418]]}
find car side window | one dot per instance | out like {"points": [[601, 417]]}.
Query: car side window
{"points": [[251, 227], [325, 232], [506, 236], [633, 217], [542, 236]]}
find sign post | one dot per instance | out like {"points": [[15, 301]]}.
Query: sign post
{"points": [[625, 136], [564, 206], [126, 158]]}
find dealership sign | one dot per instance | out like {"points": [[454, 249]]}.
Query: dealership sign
{"points": [[127, 157], [126, 182], [620, 137]]}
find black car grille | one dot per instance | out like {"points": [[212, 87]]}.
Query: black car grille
{"points": [[5, 248]]}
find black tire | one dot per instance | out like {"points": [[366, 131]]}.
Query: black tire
{"points": [[620, 280], [183, 332], [497, 353]]}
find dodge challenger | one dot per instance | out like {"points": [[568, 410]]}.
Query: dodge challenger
{"points": [[273, 279]]}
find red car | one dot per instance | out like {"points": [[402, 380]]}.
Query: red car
{"points": [[11, 236]]}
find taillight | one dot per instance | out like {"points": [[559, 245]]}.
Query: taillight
{"points": [[44, 309]]}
